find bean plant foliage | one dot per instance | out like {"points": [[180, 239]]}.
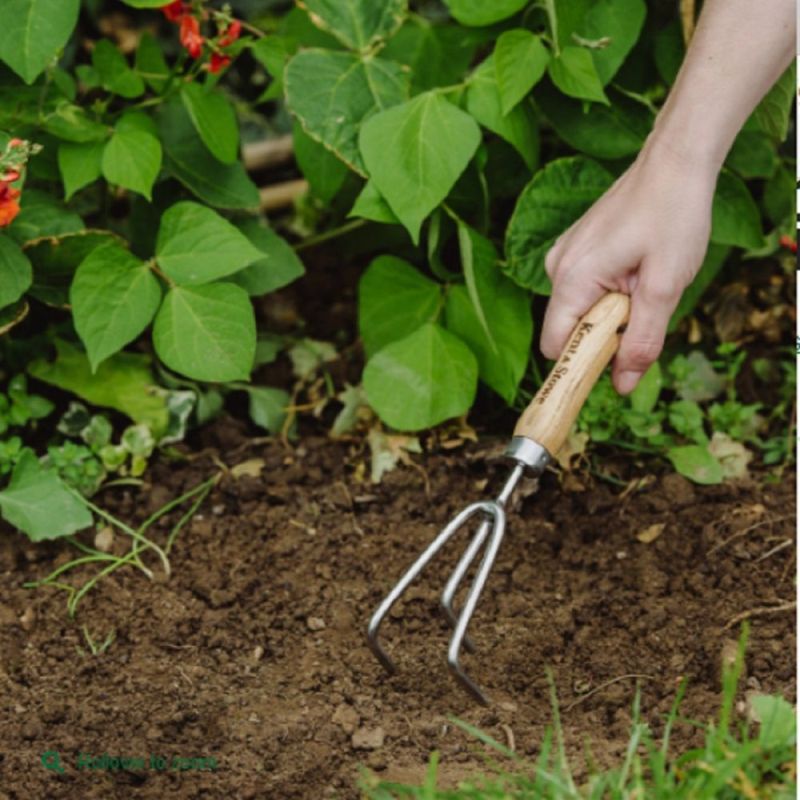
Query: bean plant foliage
{"points": [[472, 133]]}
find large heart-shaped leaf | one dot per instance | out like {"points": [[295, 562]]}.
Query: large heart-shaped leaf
{"points": [[357, 24], [214, 120], [520, 61]]}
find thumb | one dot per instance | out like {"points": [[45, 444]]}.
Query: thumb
{"points": [[652, 305]]}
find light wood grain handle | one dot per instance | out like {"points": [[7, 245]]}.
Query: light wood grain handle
{"points": [[589, 349]]}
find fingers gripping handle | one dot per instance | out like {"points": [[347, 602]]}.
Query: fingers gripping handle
{"points": [[589, 349]]}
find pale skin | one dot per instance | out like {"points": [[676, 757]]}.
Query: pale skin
{"points": [[648, 234]]}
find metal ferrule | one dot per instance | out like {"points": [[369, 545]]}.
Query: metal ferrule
{"points": [[530, 453]]}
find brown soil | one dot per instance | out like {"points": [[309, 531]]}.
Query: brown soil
{"points": [[253, 652]]}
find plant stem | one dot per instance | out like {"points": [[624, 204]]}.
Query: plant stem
{"points": [[327, 236]]}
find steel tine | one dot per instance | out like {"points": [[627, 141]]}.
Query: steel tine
{"points": [[413, 571], [479, 581], [450, 589]]}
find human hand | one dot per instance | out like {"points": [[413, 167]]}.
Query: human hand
{"points": [[645, 237]]}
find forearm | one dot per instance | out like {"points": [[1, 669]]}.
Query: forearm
{"points": [[739, 49]]}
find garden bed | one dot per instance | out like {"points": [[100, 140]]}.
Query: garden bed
{"points": [[253, 652]]}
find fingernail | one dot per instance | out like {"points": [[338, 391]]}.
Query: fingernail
{"points": [[626, 381]]}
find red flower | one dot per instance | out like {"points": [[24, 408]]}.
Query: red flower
{"points": [[231, 34], [9, 207], [218, 62], [190, 35], [789, 243], [174, 11]]}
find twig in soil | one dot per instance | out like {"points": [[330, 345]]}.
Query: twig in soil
{"points": [[782, 546], [754, 526], [605, 685], [348, 497], [510, 740], [759, 612]]}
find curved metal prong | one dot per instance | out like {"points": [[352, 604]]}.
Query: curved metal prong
{"points": [[413, 571], [454, 650], [450, 589]]}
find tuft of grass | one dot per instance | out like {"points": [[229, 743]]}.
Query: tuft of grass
{"points": [[737, 760]]}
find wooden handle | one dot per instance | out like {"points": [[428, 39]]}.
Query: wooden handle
{"points": [[594, 341]]}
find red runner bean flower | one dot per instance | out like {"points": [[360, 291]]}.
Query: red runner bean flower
{"points": [[789, 243], [218, 62], [191, 38], [231, 34], [174, 11], [9, 207]]}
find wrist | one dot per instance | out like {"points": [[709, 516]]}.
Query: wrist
{"points": [[673, 147]]}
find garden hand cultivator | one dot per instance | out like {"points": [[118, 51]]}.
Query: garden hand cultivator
{"points": [[539, 434]]}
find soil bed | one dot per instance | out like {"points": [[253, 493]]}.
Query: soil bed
{"points": [[253, 652]]}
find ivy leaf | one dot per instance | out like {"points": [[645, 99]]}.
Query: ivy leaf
{"points": [[16, 273], [556, 197], [421, 380], [696, 463], [324, 172], [504, 349], [114, 297], [619, 21], [394, 300], [33, 31], [277, 267], [132, 157], [214, 120], [736, 219], [520, 61], [113, 70], [207, 333], [38, 503], [196, 245], [519, 126], [188, 160], [357, 24], [332, 93], [79, 164], [574, 73], [123, 382], [267, 407], [479, 13], [610, 132], [416, 152]]}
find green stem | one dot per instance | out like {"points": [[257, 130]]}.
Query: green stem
{"points": [[552, 18], [327, 236], [190, 513]]}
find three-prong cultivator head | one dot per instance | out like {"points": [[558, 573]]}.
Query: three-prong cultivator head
{"points": [[540, 432]]}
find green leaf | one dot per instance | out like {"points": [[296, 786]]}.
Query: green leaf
{"points": [[123, 382], [16, 273], [214, 120], [736, 219], [519, 127], [113, 70], [80, 164], [278, 266], [715, 258], [188, 160], [567, 16], [556, 197], [357, 24], [132, 158], [371, 204], [207, 333], [619, 21], [422, 379], [72, 124], [145, 3], [479, 13], [504, 350], [753, 155], [574, 73], [437, 55], [151, 64], [520, 61], [780, 198], [196, 245], [114, 297], [477, 256], [774, 112], [55, 259], [669, 51], [324, 172], [333, 93], [645, 396], [394, 300], [38, 503], [42, 215], [778, 721], [609, 132], [267, 407], [696, 463], [33, 31], [416, 152]]}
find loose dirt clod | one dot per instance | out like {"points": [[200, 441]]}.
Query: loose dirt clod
{"points": [[368, 738]]}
